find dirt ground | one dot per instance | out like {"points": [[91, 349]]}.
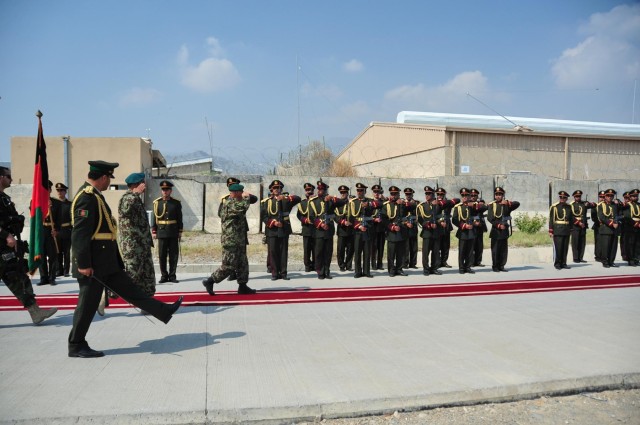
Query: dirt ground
{"points": [[602, 408]]}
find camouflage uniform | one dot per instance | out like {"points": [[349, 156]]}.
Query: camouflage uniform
{"points": [[234, 241], [134, 238]]}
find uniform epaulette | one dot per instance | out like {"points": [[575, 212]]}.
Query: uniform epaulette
{"points": [[264, 200], [553, 205], [88, 189], [174, 199], [459, 203], [157, 199], [385, 202], [313, 197]]}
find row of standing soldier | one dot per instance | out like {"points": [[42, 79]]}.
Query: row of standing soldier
{"points": [[614, 222]]}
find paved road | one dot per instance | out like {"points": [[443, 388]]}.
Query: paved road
{"points": [[293, 362]]}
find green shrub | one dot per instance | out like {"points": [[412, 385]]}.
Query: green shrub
{"points": [[528, 224]]}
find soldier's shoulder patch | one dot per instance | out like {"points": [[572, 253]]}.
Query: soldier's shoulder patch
{"points": [[82, 213]]}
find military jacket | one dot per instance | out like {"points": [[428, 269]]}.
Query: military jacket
{"points": [[65, 219], [594, 217], [463, 215], [579, 211], [324, 212], [94, 234], [500, 214], [134, 232], [8, 219], [273, 211], [343, 216], [410, 213], [303, 216], [233, 214], [394, 219], [560, 219], [632, 218], [430, 218], [378, 226], [608, 215], [362, 210], [166, 221], [53, 220], [445, 206], [478, 209], [252, 200]]}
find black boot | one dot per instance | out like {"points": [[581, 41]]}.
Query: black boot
{"points": [[208, 284], [243, 289]]}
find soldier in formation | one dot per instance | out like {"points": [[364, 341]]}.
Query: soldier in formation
{"points": [[134, 235], [410, 260], [13, 268], [579, 210], [446, 206], [466, 233], [609, 218], [166, 227], [322, 214], [52, 222], [345, 231], [499, 215], [560, 221], [234, 241], [378, 231], [478, 207], [308, 257], [397, 225], [362, 208], [274, 213], [596, 228], [430, 218], [632, 229], [64, 234]]}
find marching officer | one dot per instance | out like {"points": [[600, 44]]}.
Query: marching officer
{"points": [[97, 264], [596, 228], [225, 198], [478, 208], [432, 229], [499, 215], [322, 214], [274, 213], [345, 231], [64, 234], [609, 224], [632, 229], [466, 234], [362, 209], [396, 225], [52, 222], [580, 225], [445, 206], [410, 260], [166, 227], [378, 231], [308, 256], [13, 268], [560, 219]]}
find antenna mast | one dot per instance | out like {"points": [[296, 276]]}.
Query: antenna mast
{"points": [[210, 134], [517, 127]]}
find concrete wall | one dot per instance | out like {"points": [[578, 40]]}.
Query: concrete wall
{"points": [[200, 200]]}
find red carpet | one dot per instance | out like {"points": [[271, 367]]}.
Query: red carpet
{"points": [[315, 295]]}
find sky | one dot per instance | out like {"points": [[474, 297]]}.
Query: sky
{"points": [[250, 80]]}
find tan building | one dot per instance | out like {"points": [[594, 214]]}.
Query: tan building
{"points": [[67, 158], [430, 145]]}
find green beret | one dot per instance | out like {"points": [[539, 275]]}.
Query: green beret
{"points": [[134, 178], [103, 167], [236, 187]]}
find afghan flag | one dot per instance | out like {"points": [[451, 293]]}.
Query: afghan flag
{"points": [[39, 202]]}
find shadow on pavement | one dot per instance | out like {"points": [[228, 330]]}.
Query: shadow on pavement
{"points": [[172, 344]]}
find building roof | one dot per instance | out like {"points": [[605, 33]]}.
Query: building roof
{"points": [[521, 124]]}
